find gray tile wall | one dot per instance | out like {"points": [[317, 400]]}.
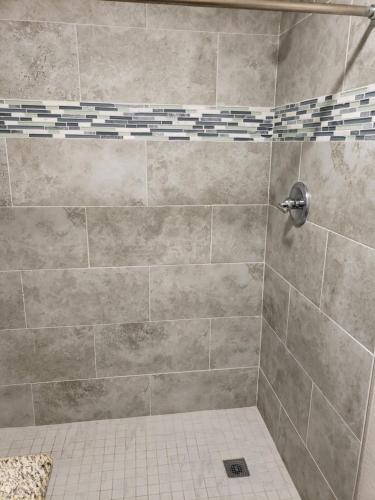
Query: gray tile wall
{"points": [[318, 336], [131, 277], [94, 50], [320, 54]]}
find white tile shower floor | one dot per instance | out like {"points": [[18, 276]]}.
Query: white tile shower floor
{"points": [[169, 457]]}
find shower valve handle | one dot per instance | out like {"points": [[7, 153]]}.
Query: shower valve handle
{"points": [[289, 204]]}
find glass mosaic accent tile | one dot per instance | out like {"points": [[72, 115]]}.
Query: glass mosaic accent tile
{"points": [[346, 116]]}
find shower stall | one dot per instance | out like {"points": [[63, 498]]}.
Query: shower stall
{"points": [[187, 250]]}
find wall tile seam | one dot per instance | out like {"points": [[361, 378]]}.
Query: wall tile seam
{"points": [[23, 300], [324, 228], [137, 266], [129, 27], [370, 396], [78, 65], [298, 434], [321, 311], [90, 207], [313, 382], [87, 239], [147, 374], [281, 33], [347, 52], [33, 403], [92, 325], [8, 170], [324, 271]]}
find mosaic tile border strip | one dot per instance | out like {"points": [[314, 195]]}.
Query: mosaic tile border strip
{"points": [[119, 121], [346, 116]]}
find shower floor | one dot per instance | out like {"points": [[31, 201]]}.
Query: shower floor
{"points": [[169, 457]]}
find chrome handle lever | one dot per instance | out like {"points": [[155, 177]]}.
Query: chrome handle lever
{"points": [[297, 204], [289, 204]]}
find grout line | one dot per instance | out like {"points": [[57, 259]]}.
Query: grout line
{"points": [[8, 168], [300, 162], [132, 375], [217, 67], [150, 393], [23, 300], [32, 402], [346, 53], [211, 233], [287, 316], [370, 396], [209, 345], [146, 15], [149, 294], [144, 207], [87, 240], [308, 418], [78, 66], [324, 271], [146, 162], [133, 28], [322, 312], [94, 339], [276, 75], [138, 266], [295, 24], [123, 323]]}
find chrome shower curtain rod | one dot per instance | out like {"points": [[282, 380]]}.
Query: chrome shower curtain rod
{"points": [[278, 5]]}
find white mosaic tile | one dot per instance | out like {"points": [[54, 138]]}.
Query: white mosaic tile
{"points": [[169, 457]]}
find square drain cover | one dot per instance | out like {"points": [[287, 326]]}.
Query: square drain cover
{"points": [[236, 467]]}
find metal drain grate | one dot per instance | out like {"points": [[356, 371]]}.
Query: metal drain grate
{"points": [[236, 467]]}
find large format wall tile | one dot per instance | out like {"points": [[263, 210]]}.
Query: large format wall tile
{"points": [[71, 11], [77, 400], [5, 198], [40, 61], [333, 446], [16, 406], [296, 252], [205, 291], [156, 347], [235, 342], [205, 390], [85, 296], [306, 476], [46, 354], [275, 301], [337, 364], [359, 69], [212, 19], [246, 70], [284, 169], [349, 288], [155, 235], [11, 301], [207, 173], [309, 64], [268, 405], [238, 234], [288, 380], [32, 238], [340, 177], [136, 65], [71, 172]]}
